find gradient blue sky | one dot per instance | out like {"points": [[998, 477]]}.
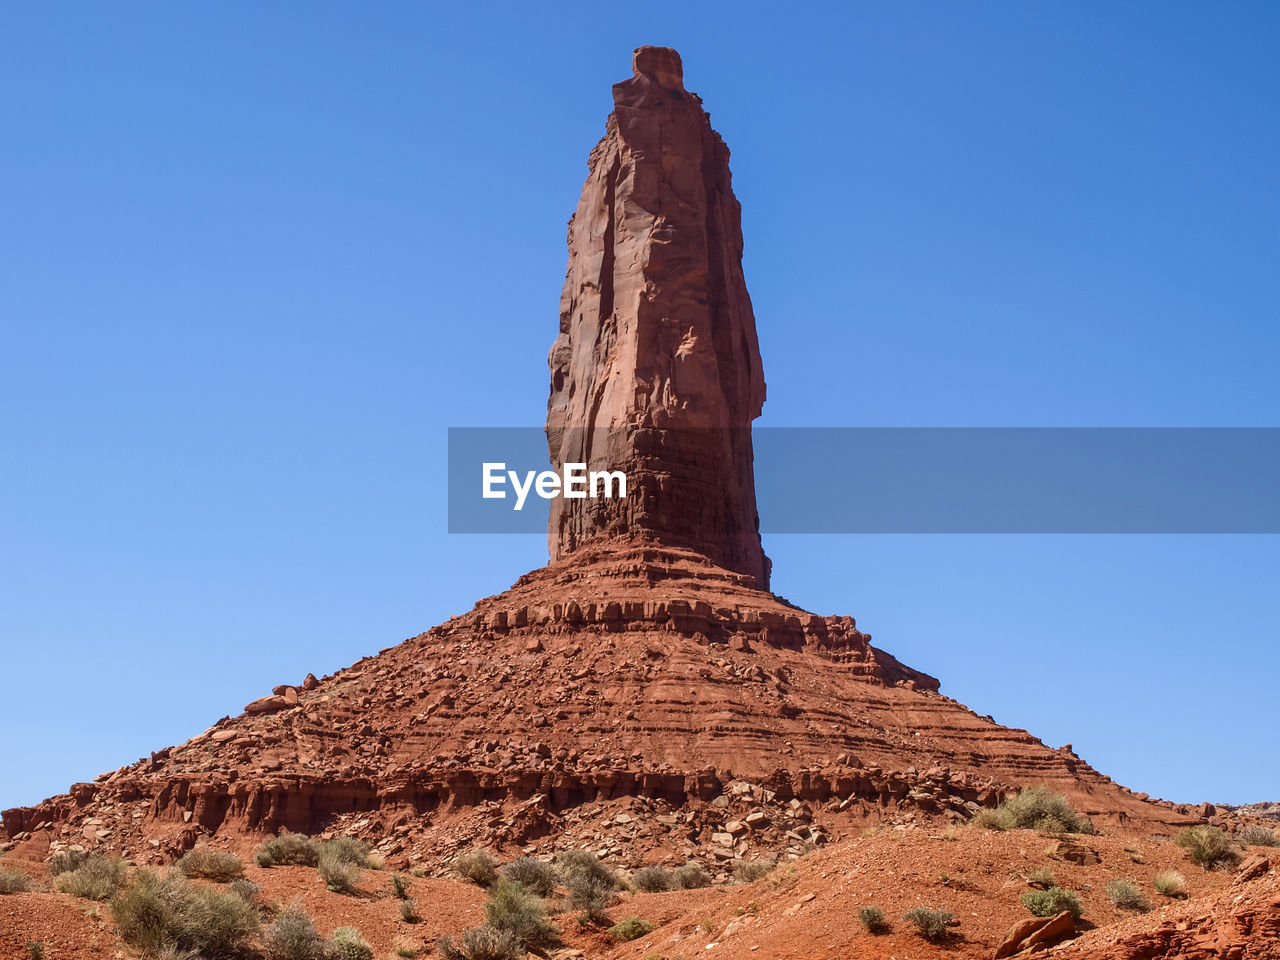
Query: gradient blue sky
{"points": [[256, 258]]}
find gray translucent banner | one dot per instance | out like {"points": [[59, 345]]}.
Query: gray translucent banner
{"points": [[944, 480]]}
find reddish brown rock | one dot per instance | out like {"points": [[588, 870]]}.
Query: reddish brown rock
{"points": [[1034, 934], [656, 371]]}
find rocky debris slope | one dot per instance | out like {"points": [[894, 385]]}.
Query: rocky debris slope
{"points": [[656, 371], [639, 700]]}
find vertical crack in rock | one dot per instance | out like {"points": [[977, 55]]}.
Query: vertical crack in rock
{"points": [[656, 371]]}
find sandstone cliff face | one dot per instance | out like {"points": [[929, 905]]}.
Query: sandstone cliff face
{"points": [[656, 370]]}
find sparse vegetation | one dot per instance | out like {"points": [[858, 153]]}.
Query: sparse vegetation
{"points": [[35, 949], [293, 936], [536, 875], [288, 849], [1043, 877], [216, 865], [1208, 847], [153, 912], [1256, 836], [409, 910], [347, 944], [64, 861], [590, 893], [481, 943], [15, 881], [692, 876], [1127, 895], [930, 924], [399, 886], [97, 878], [632, 928], [340, 863], [519, 912], [246, 890], [478, 866], [1051, 902], [408, 953], [873, 919], [655, 879], [1170, 883], [1035, 808], [749, 871]]}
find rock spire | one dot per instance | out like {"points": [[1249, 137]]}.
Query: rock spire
{"points": [[656, 370]]}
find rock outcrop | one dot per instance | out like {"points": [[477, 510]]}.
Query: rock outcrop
{"points": [[656, 371]]}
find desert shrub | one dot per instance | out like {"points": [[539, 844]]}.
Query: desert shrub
{"points": [[873, 919], [409, 910], [216, 865], [339, 875], [481, 943], [1035, 808], [632, 928], [347, 944], [584, 863], [375, 860], [1043, 877], [34, 948], [1127, 895], [519, 912], [153, 912], [1256, 836], [288, 849], [1207, 847], [478, 866], [15, 881], [97, 878], [929, 923], [692, 876], [400, 886], [749, 871], [64, 861], [1051, 902], [535, 875], [171, 952], [1170, 883], [246, 890], [408, 953], [293, 936], [590, 893], [654, 879], [347, 849]]}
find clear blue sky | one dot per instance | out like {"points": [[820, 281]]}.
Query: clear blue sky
{"points": [[256, 258]]}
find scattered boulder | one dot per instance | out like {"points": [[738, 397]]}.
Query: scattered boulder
{"points": [[1035, 934]]}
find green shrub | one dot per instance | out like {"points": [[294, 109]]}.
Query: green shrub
{"points": [[1035, 808], [34, 948], [15, 881], [572, 863], [749, 871], [692, 876], [1208, 847], [347, 944], [153, 912], [293, 936], [1170, 883], [288, 849], [481, 943], [64, 861], [1042, 877], [408, 953], [1127, 895], [654, 879], [409, 910], [519, 912], [929, 923], [632, 928], [1256, 836], [873, 919], [337, 869], [216, 865], [97, 878], [246, 890], [400, 886], [1051, 902], [478, 866], [535, 875]]}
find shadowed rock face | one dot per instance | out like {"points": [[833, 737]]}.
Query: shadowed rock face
{"points": [[656, 371]]}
